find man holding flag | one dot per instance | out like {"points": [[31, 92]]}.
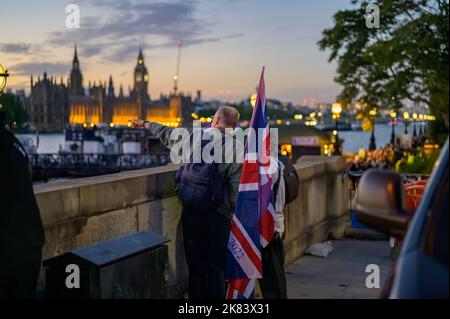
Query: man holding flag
{"points": [[206, 232], [254, 221]]}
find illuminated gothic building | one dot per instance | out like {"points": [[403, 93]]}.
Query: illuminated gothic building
{"points": [[48, 105], [52, 106]]}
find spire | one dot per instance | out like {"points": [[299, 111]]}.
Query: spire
{"points": [[140, 56], [110, 87], [76, 78], [75, 57], [121, 91], [76, 62]]}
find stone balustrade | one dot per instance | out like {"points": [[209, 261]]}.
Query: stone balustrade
{"points": [[84, 211]]}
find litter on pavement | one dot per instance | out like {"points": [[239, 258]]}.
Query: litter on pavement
{"points": [[320, 249]]}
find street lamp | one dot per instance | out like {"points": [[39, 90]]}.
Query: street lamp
{"points": [[3, 78], [336, 109], [429, 118], [393, 115], [253, 100], [414, 138], [420, 123], [372, 145], [406, 119], [414, 116]]}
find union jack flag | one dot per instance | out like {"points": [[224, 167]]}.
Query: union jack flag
{"points": [[253, 224]]}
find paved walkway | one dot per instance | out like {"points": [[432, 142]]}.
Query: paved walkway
{"points": [[342, 274]]}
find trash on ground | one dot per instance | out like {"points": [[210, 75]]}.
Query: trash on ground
{"points": [[320, 249]]}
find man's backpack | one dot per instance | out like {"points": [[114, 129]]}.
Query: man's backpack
{"points": [[199, 185], [291, 181]]}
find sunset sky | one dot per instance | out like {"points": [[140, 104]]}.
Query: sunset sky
{"points": [[226, 44]]}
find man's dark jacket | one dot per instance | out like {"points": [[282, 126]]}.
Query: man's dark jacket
{"points": [[21, 229]]}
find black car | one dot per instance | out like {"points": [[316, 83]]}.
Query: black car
{"points": [[421, 270]]}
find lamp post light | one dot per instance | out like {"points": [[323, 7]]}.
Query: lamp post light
{"points": [[393, 115], [3, 78], [336, 109], [406, 119], [414, 116], [253, 100], [428, 119], [425, 124], [414, 138], [372, 145], [420, 123]]}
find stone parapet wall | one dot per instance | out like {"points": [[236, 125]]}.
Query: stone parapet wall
{"points": [[85, 211]]}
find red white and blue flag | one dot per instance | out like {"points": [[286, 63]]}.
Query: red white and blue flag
{"points": [[253, 223]]}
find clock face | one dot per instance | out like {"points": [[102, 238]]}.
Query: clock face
{"points": [[146, 78]]}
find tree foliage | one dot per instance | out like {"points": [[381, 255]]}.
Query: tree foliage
{"points": [[406, 58], [16, 115]]}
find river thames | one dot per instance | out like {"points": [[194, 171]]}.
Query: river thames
{"points": [[353, 140]]}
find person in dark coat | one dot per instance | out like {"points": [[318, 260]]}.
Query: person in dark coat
{"points": [[21, 230]]}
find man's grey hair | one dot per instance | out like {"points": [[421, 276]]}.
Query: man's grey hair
{"points": [[228, 115]]}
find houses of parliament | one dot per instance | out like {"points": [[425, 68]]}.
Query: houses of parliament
{"points": [[52, 105]]}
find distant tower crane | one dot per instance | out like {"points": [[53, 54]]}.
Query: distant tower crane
{"points": [[176, 76]]}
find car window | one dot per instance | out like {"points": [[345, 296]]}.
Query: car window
{"points": [[435, 243]]}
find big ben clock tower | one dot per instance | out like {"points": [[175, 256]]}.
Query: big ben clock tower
{"points": [[141, 77], [76, 78], [140, 90]]}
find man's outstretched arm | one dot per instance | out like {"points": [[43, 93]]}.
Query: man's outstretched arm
{"points": [[158, 130]]}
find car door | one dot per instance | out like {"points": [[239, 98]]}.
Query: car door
{"points": [[422, 269]]}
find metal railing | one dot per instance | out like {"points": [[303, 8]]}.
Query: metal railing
{"points": [[100, 161]]}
